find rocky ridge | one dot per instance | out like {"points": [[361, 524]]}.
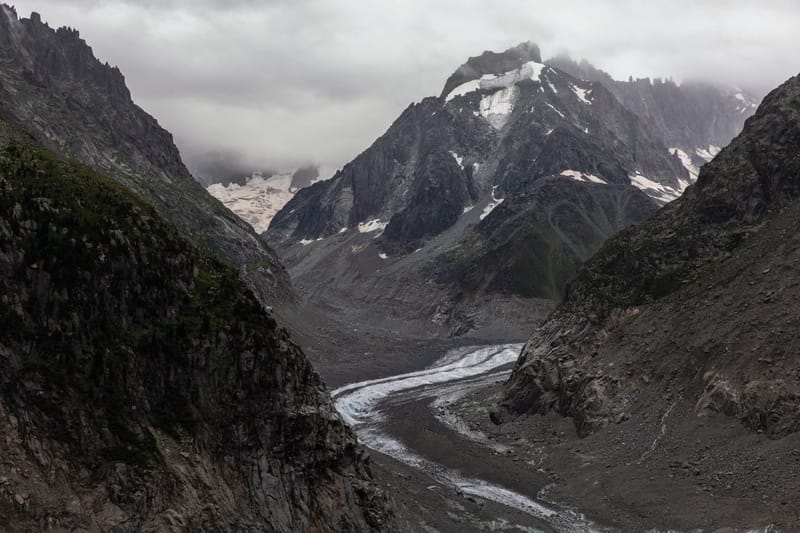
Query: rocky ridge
{"points": [[710, 279], [142, 386], [693, 118], [53, 87], [498, 189]]}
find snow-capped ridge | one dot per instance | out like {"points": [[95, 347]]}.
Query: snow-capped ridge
{"points": [[528, 71]]}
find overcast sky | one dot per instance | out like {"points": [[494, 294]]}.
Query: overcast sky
{"points": [[274, 84]]}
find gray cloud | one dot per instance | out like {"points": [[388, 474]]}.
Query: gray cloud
{"points": [[279, 83]]}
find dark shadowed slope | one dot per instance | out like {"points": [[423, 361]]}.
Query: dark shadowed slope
{"points": [[495, 191], [712, 279], [142, 386], [52, 86]]}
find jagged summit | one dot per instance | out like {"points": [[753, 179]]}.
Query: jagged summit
{"points": [[492, 63], [694, 118], [53, 87]]}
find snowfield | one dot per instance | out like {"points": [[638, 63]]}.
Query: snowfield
{"points": [[258, 200]]}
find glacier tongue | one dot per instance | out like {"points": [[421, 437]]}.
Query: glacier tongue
{"points": [[258, 200]]}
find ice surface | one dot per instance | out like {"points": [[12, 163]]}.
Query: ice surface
{"points": [[496, 107], [258, 200], [359, 404], [459, 159]]}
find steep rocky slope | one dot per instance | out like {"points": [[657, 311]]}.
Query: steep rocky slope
{"points": [[53, 87], [696, 304], [514, 176], [694, 119], [142, 386]]}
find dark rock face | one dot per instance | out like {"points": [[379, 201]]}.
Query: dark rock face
{"points": [[52, 86], [701, 279], [492, 63], [692, 116], [303, 176], [567, 164], [561, 225], [142, 386]]}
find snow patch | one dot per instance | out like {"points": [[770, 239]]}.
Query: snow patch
{"points": [[582, 176], [492, 205], [581, 94], [528, 71], [496, 107], [686, 160], [708, 153], [383, 255], [654, 189], [459, 159], [372, 225]]}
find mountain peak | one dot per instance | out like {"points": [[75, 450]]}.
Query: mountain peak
{"points": [[493, 63]]}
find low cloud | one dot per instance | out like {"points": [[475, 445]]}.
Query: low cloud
{"points": [[278, 84]]}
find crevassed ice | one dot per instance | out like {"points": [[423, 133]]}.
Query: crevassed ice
{"points": [[528, 71], [258, 200]]}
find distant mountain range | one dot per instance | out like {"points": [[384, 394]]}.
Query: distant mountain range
{"points": [[500, 187]]}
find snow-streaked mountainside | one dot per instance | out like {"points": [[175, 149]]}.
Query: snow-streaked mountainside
{"points": [[694, 118], [504, 184], [258, 198]]}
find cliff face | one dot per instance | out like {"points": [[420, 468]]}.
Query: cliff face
{"points": [[497, 189], [695, 118], [142, 386], [693, 304], [53, 87]]}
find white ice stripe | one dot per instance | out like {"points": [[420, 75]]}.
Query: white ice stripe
{"points": [[358, 403], [355, 402], [556, 110]]}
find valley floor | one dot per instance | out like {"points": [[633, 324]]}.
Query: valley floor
{"points": [[679, 472]]}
